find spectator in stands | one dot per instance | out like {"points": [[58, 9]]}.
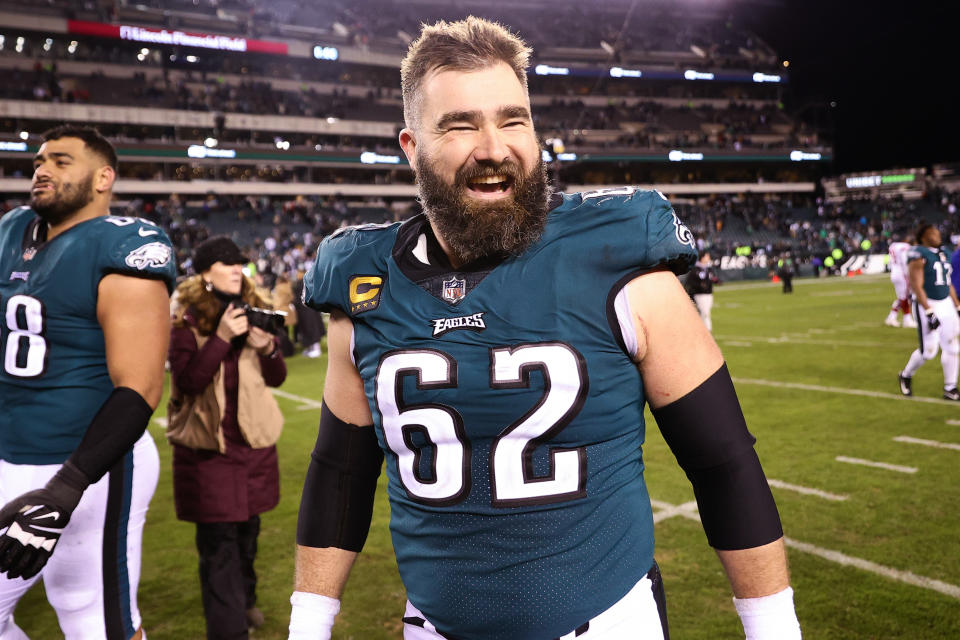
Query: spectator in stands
{"points": [[223, 425]]}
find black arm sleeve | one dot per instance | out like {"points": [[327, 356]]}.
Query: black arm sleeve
{"points": [[117, 426], [707, 433], [337, 502]]}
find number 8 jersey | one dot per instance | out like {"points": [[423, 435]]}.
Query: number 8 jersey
{"points": [[509, 410], [54, 375]]}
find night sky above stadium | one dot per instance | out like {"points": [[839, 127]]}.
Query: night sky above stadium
{"points": [[889, 69]]}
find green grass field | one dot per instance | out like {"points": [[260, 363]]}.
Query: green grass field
{"points": [[874, 553]]}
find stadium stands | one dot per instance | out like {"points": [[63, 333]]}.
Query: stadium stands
{"points": [[295, 134]]}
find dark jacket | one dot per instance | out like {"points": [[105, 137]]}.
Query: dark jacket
{"points": [[241, 482], [700, 280]]}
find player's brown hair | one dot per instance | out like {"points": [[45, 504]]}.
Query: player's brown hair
{"points": [[465, 45]]}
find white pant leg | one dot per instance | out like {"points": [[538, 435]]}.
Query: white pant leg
{"points": [[949, 340], [97, 559], [15, 480], [900, 284], [704, 302], [929, 338], [636, 615]]}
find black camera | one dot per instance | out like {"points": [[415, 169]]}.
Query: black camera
{"points": [[266, 319]]}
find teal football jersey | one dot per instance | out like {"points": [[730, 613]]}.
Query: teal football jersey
{"points": [[509, 411], [936, 270], [54, 376]]}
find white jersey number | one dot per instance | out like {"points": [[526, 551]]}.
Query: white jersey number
{"points": [[25, 349], [513, 481], [943, 269]]}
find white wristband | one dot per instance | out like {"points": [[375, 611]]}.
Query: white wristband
{"points": [[770, 617], [311, 616]]}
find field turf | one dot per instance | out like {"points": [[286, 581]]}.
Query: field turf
{"points": [[874, 551]]}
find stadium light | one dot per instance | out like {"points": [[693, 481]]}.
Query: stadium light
{"points": [[72, 48], [2, 40], [24, 135], [191, 58], [20, 41], [210, 143], [48, 44], [331, 120]]}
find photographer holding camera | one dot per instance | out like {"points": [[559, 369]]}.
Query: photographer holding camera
{"points": [[223, 423]]}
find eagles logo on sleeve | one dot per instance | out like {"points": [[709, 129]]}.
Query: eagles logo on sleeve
{"points": [[150, 255]]}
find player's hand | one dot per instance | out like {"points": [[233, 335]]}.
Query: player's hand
{"points": [[233, 323], [35, 520], [260, 340], [932, 320]]}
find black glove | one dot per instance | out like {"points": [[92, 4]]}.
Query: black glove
{"points": [[35, 521], [932, 321]]}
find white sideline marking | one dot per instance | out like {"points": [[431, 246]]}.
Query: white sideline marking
{"points": [[737, 343], [954, 422], [928, 443], [160, 421], [852, 392], [305, 403], [826, 495], [878, 465], [827, 554], [790, 339]]}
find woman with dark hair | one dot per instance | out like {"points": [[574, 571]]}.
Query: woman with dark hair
{"points": [[223, 423]]}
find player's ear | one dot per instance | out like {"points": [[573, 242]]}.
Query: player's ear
{"points": [[408, 143], [104, 177]]}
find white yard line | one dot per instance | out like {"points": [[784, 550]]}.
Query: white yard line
{"points": [[954, 422], [305, 403], [668, 510], [826, 495], [878, 465], [928, 443], [799, 282], [852, 392], [161, 421], [894, 574]]}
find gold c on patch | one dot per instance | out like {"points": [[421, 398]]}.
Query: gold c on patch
{"points": [[365, 293]]}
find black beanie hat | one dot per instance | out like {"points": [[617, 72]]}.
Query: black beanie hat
{"points": [[217, 249]]}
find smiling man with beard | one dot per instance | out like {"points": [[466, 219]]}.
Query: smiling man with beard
{"points": [[84, 326], [497, 351]]}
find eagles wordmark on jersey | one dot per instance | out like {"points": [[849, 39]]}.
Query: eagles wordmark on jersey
{"points": [[509, 409]]}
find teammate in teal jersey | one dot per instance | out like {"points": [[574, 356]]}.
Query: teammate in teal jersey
{"points": [[935, 306], [84, 325], [498, 351]]}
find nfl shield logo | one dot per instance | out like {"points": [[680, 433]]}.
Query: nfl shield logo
{"points": [[454, 289], [29, 252]]}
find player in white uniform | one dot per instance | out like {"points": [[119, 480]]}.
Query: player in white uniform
{"points": [[901, 284]]}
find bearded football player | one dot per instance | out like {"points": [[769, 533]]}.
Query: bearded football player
{"points": [[497, 352]]}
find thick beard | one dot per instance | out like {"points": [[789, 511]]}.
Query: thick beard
{"points": [[66, 200], [474, 228]]}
